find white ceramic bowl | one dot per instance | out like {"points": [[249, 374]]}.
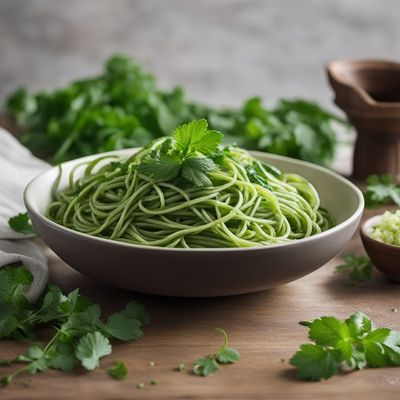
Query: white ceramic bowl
{"points": [[201, 272]]}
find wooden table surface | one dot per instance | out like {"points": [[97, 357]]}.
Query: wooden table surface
{"points": [[262, 326]]}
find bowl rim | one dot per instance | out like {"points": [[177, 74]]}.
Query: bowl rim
{"points": [[370, 223], [356, 214]]}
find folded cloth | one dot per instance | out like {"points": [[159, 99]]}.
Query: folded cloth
{"points": [[17, 167]]}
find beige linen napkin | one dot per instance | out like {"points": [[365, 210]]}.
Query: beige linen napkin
{"points": [[17, 167]]}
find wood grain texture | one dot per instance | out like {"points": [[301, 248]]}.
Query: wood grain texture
{"points": [[263, 327]]}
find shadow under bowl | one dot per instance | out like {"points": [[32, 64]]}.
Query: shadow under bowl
{"points": [[200, 272], [385, 257]]}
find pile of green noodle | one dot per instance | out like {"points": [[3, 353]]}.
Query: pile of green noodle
{"points": [[110, 199]]}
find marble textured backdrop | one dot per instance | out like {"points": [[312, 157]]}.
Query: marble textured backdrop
{"points": [[221, 50]]}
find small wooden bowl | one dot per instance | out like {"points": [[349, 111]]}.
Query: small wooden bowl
{"points": [[385, 257]]}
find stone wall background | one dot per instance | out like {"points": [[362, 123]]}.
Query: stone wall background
{"points": [[221, 50]]}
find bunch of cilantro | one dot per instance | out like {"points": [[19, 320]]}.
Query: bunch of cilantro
{"points": [[123, 107], [342, 345], [80, 336]]}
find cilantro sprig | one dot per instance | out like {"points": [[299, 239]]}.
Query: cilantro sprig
{"points": [[358, 269], [21, 223], [187, 154], [353, 344], [225, 355], [381, 190], [81, 336]]}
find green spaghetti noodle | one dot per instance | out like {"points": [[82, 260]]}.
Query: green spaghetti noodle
{"points": [[158, 198]]}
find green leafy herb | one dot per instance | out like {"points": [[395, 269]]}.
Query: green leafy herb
{"points": [[22, 224], [119, 371], [225, 355], [80, 337], [358, 269], [91, 348], [381, 190], [353, 343], [186, 155], [123, 107]]}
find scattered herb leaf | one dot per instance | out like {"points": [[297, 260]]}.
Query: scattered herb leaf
{"points": [[225, 355], [353, 343], [358, 269], [21, 223]]}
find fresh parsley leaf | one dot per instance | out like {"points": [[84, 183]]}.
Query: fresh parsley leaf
{"points": [[195, 137], [225, 355], [228, 356], [36, 359], [358, 269], [163, 167], [119, 371], [205, 366], [91, 348], [359, 324], [195, 169], [315, 362], [61, 356], [374, 348], [126, 324], [329, 331], [381, 190], [21, 223], [354, 342], [13, 280]]}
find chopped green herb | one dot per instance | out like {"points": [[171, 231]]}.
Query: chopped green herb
{"points": [[358, 269], [225, 355], [154, 382], [353, 342], [22, 224], [119, 371], [387, 230], [181, 368], [80, 337]]}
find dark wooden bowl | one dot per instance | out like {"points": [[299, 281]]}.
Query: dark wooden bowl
{"points": [[385, 257], [368, 91]]}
